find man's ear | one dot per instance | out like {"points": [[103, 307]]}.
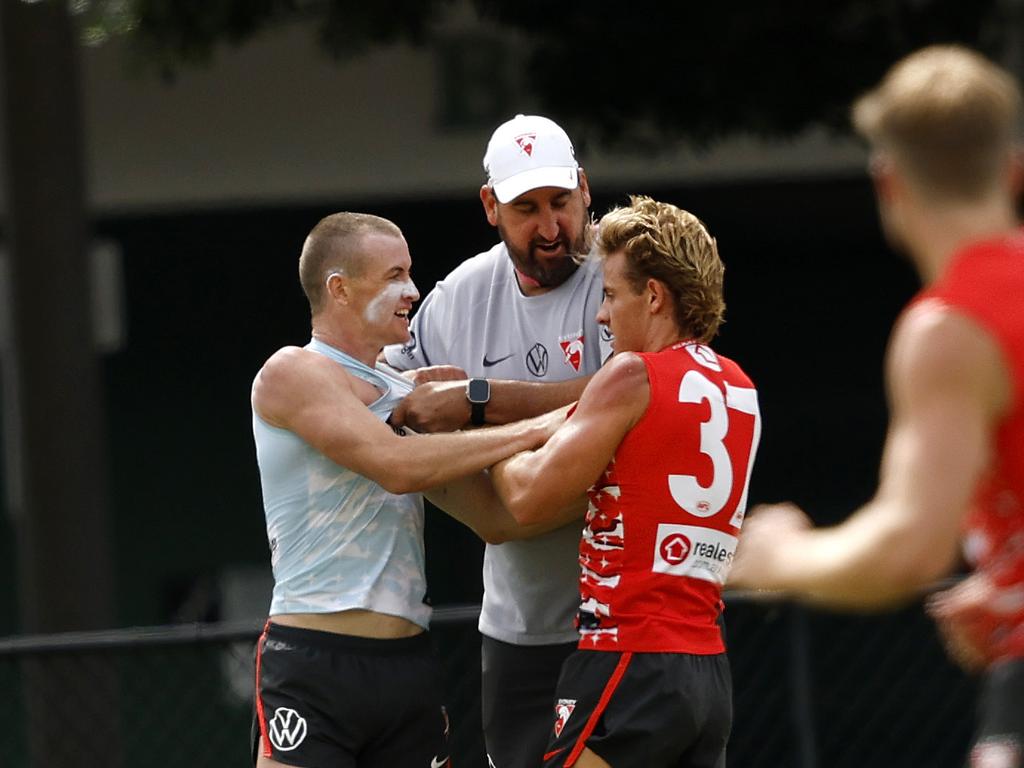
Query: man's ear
{"points": [[657, 295], [337, 287], [1015, 175], [884, 178], [584, 187], [490, 203]]}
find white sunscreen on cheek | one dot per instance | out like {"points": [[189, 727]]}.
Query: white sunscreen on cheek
{"points": [[382, 306]]}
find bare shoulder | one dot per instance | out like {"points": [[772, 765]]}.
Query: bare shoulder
{"points": [[939, 349], [622, 381], [282, 368], [288, 378]]}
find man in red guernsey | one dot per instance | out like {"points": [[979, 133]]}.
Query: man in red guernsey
{"points": [[662, 442], [942, 125]]}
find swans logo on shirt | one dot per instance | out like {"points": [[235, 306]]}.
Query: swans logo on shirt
{"points": [[572, 349], [563, 710]]}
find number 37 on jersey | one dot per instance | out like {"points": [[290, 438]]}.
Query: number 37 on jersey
{"points": [[728, 439]]}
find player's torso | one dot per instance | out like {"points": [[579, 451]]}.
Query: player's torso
{"points": [[485, 324], [986, 283], [339, 540], [478, 318], [664, 519]]}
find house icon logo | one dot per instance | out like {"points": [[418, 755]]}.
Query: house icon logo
{"points": [[675, 548]]}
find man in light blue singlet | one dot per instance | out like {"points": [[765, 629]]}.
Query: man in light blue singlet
{"points": [[344, 672]]}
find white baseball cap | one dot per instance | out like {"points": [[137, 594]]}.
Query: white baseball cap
{"points": [[527, 152]]}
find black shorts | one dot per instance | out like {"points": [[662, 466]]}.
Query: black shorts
{"points": [[518, 690], [643, 709], [328, 699], [1000, 735]]}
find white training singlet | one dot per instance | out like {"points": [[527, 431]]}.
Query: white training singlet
{"points": [[338, 540], [478, 319]]}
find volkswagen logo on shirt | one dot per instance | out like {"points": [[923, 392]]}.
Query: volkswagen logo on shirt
{"points": [[537, 359]]}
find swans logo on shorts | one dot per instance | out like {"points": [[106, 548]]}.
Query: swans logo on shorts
{"points": [[572, 349], [287, 729], [563, 709]]}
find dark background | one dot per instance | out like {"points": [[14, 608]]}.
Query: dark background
{"points": [[811, 293]]}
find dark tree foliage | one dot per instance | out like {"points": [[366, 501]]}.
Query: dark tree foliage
{"points": [[629, 73], [703, 70]]}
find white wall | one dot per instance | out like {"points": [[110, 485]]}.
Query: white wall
{"points": [[278, 121]]}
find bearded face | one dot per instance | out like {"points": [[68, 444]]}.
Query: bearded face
{"points": [[549, 262], [546, 231]]}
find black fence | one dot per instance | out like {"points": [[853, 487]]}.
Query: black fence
{"points": [[811, 690]]}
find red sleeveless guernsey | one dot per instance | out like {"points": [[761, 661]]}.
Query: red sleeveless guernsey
{"points": [[985, 282], [664, 518]]}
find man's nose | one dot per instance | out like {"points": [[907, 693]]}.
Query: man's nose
{"points": [[547, 225]]}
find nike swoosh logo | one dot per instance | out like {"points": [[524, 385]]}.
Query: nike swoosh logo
{"points": [[489, 363], [435, 763]]}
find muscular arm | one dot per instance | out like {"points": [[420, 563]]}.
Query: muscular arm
{"points": [[441, 406], [311, 396], [535, 485], [473, 502], [947, 387]]}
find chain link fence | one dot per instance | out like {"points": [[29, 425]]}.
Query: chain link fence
{"points": [[811, 690]]}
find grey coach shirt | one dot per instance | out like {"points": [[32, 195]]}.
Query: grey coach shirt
{"points": [[478, 319]]}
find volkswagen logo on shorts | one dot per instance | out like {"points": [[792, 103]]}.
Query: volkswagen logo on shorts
{"points": [[537, 359], [287, 729]]}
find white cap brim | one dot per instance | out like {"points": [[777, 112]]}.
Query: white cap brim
{"points": [[535, 178]]}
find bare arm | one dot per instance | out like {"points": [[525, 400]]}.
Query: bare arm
{"points": [[441, 406], [947, 387], [310, 395], [473, 502], [535, 485]]}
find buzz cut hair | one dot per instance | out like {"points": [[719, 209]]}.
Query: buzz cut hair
{"points": [[666, 243], [947, 116], [335, 246]]}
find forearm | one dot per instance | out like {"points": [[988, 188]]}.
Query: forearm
{"points": [[514, 400], [515, 486], [426, 461], [872, 560], [473, 502]]}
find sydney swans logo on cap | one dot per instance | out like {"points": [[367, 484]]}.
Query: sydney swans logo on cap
{"points": [[525, 143], [529, 152]]}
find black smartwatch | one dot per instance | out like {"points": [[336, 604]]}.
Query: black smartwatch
{"points": [[478, 392]]}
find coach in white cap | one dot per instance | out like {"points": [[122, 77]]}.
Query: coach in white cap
{"points": [[520, 320]]}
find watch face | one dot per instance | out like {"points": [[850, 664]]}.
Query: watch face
{"points": [[479, 391]]}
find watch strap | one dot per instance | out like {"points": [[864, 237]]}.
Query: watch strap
{"points": [[476, 417]]}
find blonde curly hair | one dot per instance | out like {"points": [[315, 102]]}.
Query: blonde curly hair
{"points": [[673, 246]]}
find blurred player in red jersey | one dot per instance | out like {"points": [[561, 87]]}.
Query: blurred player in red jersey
{"points": [[943, 129], [662, 442]]}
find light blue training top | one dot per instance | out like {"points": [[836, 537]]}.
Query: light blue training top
{"points": [[338, 540]]}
